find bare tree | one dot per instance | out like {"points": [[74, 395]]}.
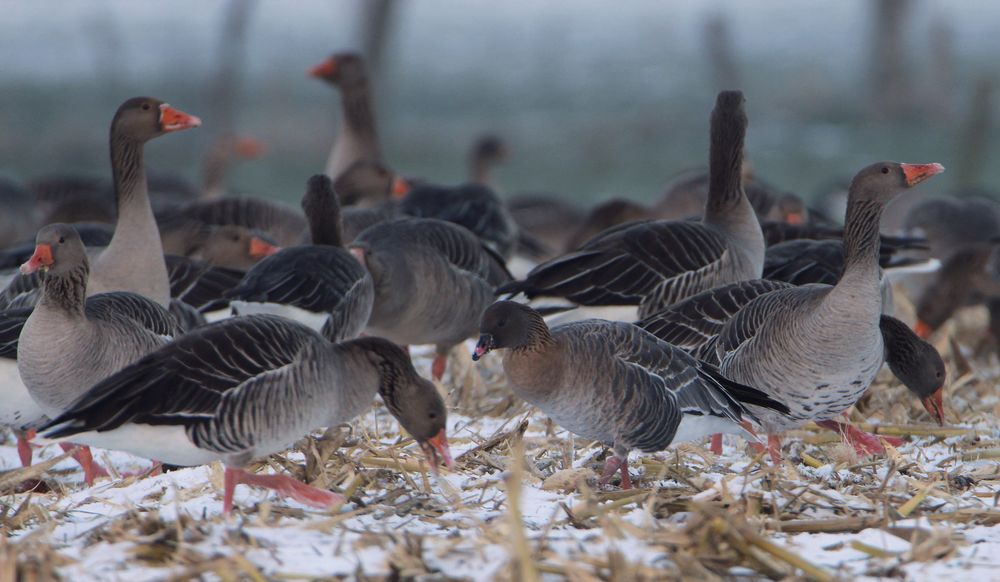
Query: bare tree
{"points": [[974, 138], [890, 79]]}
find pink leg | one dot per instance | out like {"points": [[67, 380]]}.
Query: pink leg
{"points": [[283, 485], [864, 443], [24, 447], [716, 446], [82, 454], [773, 448], [437, 367], [612, 465]]}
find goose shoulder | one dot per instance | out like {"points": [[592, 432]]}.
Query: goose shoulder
{"points": [[131, 309], [773, 312]]}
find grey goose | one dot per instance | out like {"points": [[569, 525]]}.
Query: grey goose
{"points": [[433, 280], [248, 387], [655, 263], [817, 348], [69, 342], [319, 284]]}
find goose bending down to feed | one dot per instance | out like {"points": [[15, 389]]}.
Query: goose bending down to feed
{"points": [[433, 280], [614, 382], [357, 138], [817, 348], [695, 323], [70, 342], [248, 387], [320, 284], [656, 263], [133, 260], [283, 224]]}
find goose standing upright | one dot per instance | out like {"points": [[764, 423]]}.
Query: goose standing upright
{"points": [[653, 264], [70, 342], [248, 387], [357, 138], [133, 260], [613, 382], [817, 348], [433, 280]]}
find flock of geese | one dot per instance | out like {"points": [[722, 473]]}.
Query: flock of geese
{"points": [[751, 318]]}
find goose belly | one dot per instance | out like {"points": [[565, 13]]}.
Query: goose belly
{"points": [[17, 408], [165, 443], [310, 318]]}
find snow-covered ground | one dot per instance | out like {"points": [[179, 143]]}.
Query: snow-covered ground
{"points": [[926, 511]]}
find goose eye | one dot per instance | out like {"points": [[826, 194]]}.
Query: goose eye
{"points": [[145, 106], [433, 416], [885, 170], [62, 239]]}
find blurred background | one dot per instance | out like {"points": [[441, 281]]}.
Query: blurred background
{"points": [[594, 100]]}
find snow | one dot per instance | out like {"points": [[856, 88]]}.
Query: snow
{"points": [[457, 525]]}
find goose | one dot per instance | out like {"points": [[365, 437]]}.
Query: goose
{"points": [[433, 280], [487, 152], [474, 206], [693, 325], [368, 190], [281, 223], [817, 348], [248, 387], [70, 342], [614, 383], [320, 284], [686, 196], [548, 219], [93, 234], [229, 246], [133, 260], [357, 138], [967, 277], [656, 263]]}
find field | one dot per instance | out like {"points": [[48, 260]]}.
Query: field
{"points": [[522, 502]]}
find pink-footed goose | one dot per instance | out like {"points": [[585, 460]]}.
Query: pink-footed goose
{"points": [[615, 383], [653, 264], [817, 348], [433, 280], [70, 342], [357, 138], [248, 387], [321, 284]]}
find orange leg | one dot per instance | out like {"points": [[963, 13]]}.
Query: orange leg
{"points": [[864, 443], [612, 465], [24, 447], [82, 454], [282, 484], [437, 367], [716, 446]]}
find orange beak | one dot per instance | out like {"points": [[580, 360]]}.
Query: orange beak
{"points": [[437, 445], [41, 259], [260, 248], [795, 218], [248, 147], [175, 120], [922, 330], [917, 173], [935, 406], [325, 69], [400, 188]]}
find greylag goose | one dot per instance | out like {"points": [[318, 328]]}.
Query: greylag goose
{"points": [[69, 342], [474, 206], [248, 387], [548, 219], [230, 246], [433, 280], [614, 383], [357, 138], [93, 234], [320, 284], [133, 260], [685, 197], [817, 348], [280, 222], [694, 324], [653, 264], [368, 190]]}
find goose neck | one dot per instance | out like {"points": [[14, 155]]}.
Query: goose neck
{"points": [[67, 291]]}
